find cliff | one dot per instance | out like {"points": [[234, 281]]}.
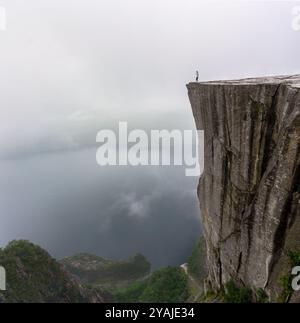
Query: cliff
{"points": [[250, 190]]}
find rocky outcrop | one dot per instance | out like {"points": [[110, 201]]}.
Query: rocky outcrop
{"points": [[33, 276], [250, 190]]}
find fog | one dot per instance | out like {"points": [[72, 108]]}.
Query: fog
{"points": [[68, 204], [71, 68]]}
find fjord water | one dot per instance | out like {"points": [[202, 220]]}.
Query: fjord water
{"points": [[67, 204]]}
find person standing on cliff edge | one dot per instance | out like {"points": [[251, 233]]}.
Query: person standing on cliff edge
{"points": [[197, 76]]}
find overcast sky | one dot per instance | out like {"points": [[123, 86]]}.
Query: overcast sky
{"points": [[69, 68]]}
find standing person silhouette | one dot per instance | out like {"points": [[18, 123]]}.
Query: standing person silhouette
{"points": [[197, 76]]}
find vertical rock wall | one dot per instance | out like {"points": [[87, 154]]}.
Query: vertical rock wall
{"points": [[250, 191]]}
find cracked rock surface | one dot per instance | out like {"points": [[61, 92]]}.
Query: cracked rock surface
{"points": [[250, 190]]}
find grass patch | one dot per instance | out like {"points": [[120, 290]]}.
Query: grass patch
{"points": [[262, 296], [235, 294], [168, 285]]}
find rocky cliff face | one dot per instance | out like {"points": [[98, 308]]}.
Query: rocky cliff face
{"points": [[250, 190]]}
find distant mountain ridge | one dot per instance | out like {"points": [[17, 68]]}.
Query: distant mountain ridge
{"points": [[98, 271], [33, 276]]}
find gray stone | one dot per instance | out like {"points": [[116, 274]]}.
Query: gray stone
{"points": [[250, 190]]}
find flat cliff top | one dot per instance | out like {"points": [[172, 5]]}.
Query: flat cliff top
{"points": [[292, 80]]}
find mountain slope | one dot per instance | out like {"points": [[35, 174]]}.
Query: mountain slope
{"points": [[97, 271], [33, 276], [166, 285]]}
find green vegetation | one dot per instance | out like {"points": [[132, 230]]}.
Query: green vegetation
{"points": [[97, 271], [294, 258], [211, 297], [168, 285], [262, 296], [230, 294], [131, 294], [34, 277], [285, 281], [234, 294], [197, 262], [197, 271]]}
